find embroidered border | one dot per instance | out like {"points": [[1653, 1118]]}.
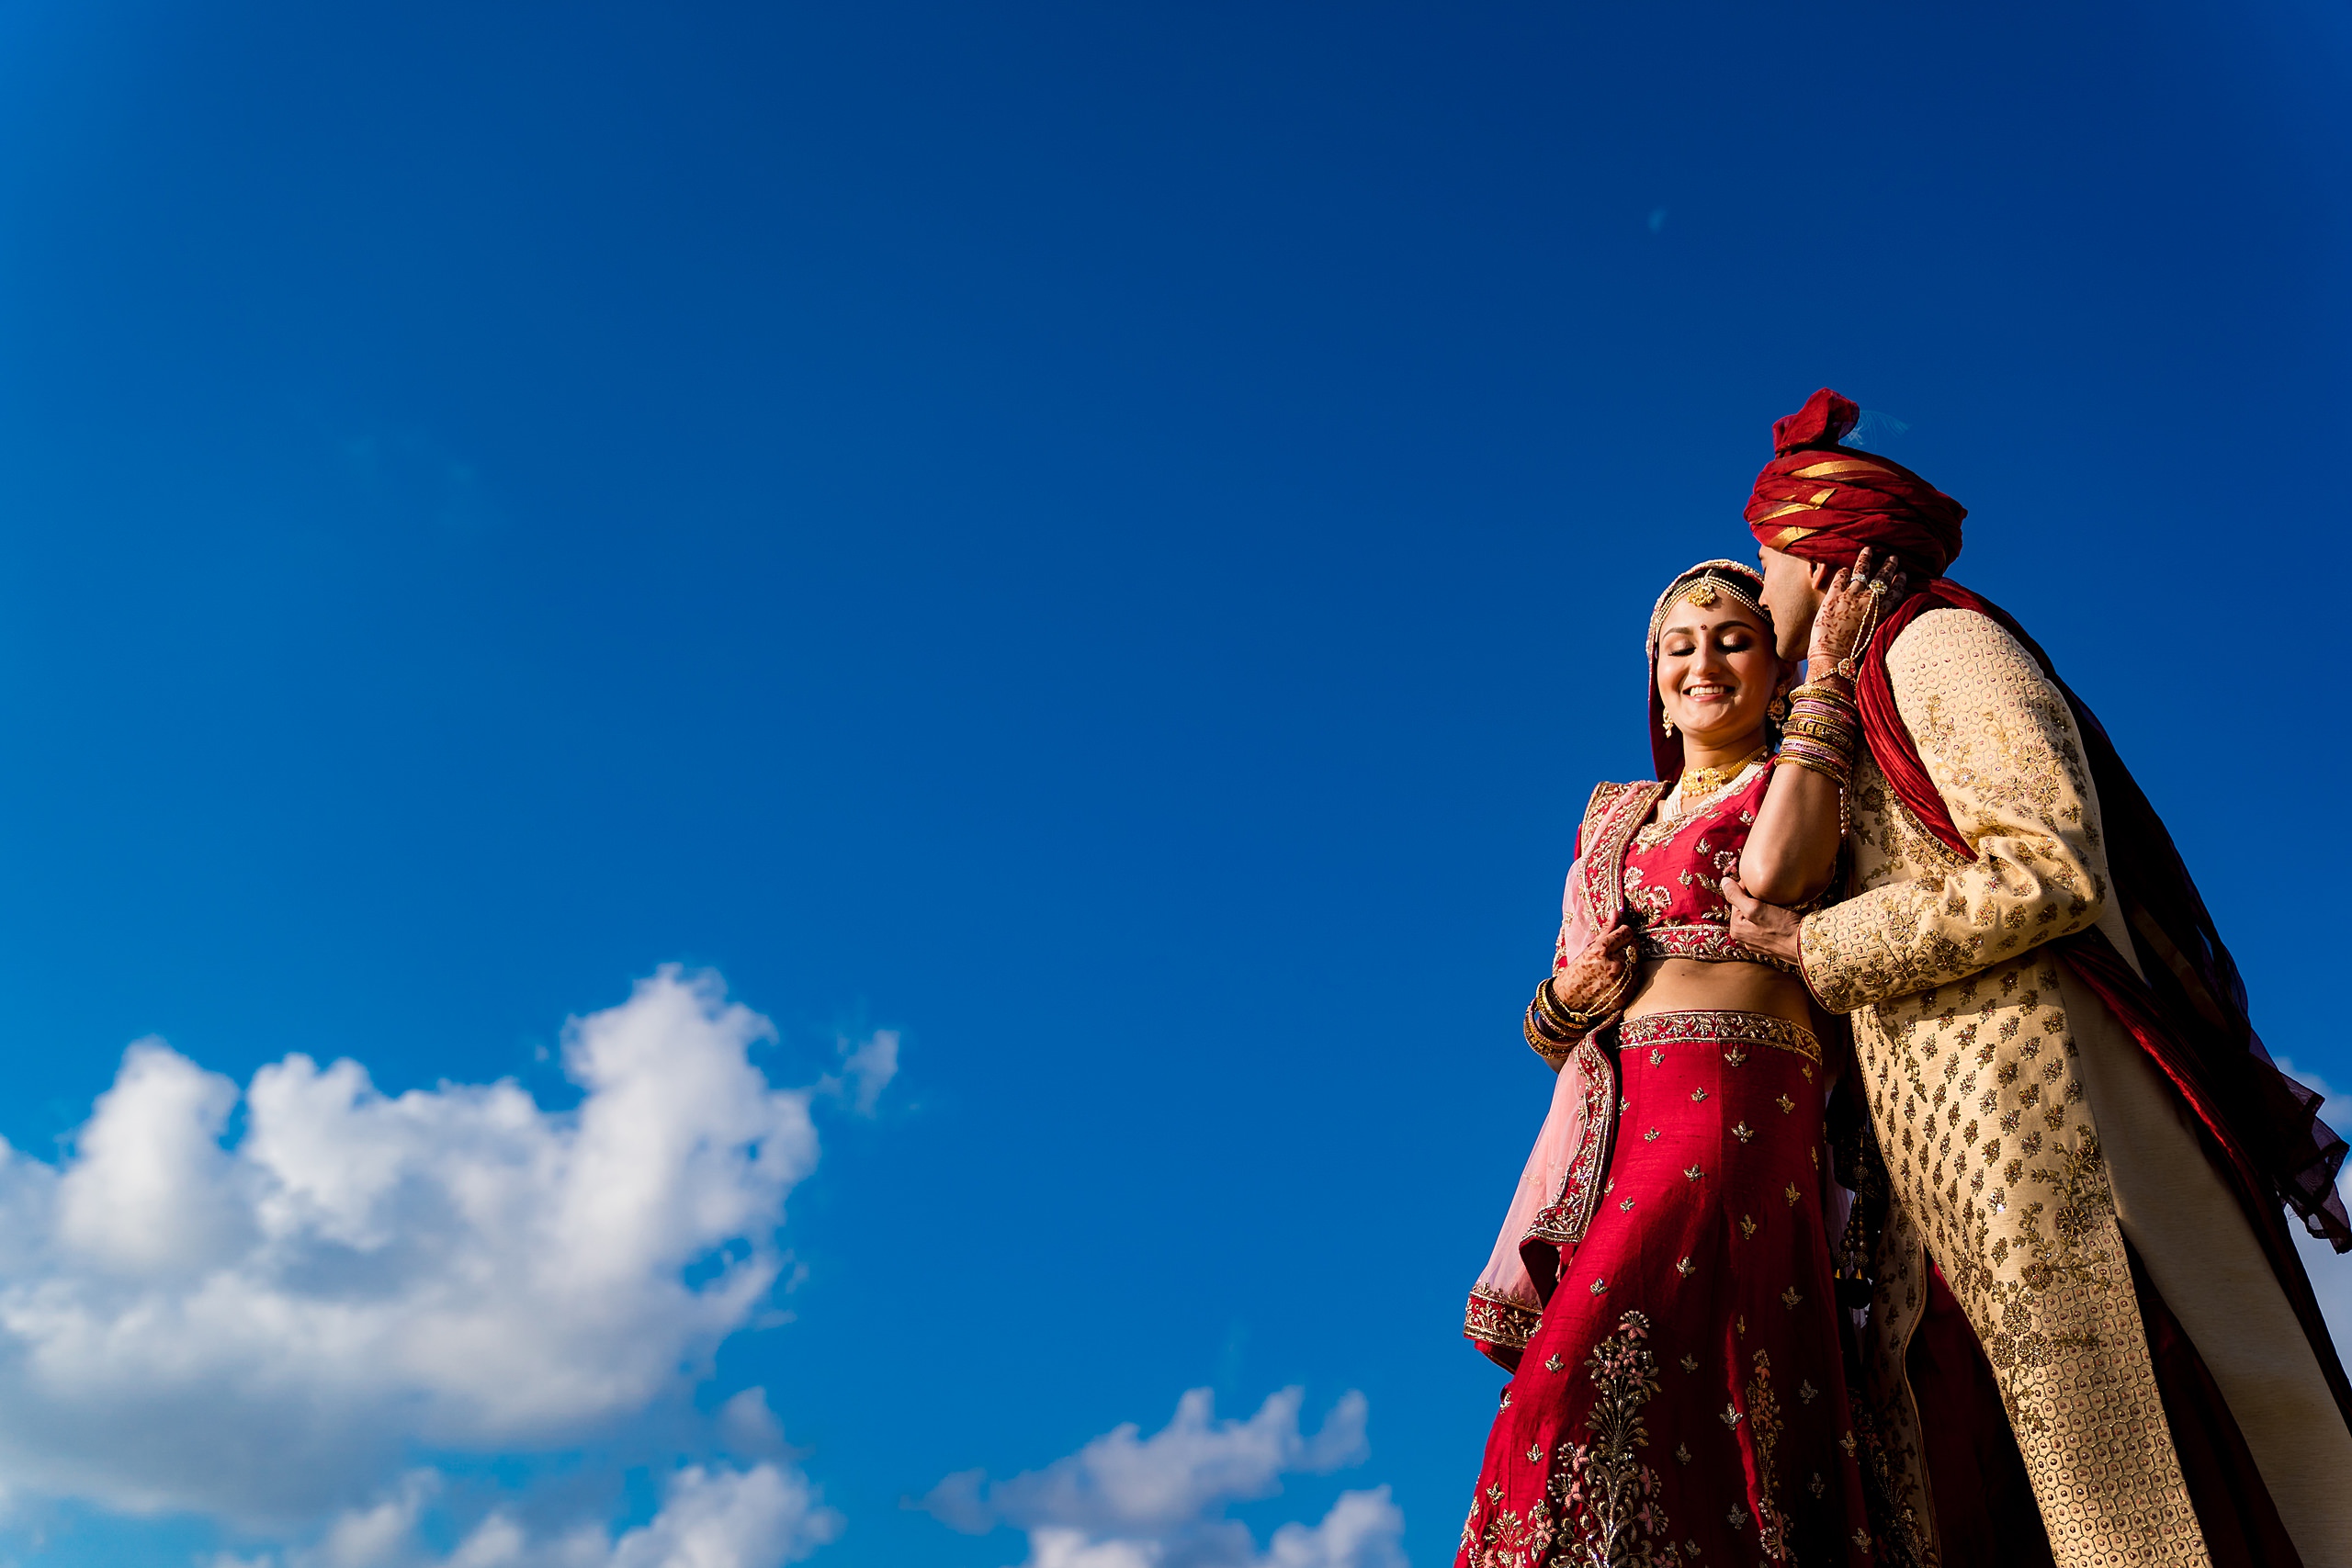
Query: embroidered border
{"points": [[1563, 1221], [1499, 1320], [1604, 854], [1724, 1028], [1651, 835], [1704, 941]]}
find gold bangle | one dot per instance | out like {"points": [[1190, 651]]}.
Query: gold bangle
{"points": [[1550, 1050], [1616, 996], [1558, 1014], [1805, 746], [1840, 777], [1544, 1024]]}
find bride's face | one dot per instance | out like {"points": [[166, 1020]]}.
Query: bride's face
{"points": [[1716, 670]]}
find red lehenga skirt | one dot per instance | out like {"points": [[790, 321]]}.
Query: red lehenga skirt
{"points": [[1682, 1402]]}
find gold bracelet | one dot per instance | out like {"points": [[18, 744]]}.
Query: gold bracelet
{"points": [[1570, 1020], [1841, 752], [1542, 1023], [1552, 1051], [1841, 777]]}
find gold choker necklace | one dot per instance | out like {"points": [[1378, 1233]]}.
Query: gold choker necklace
{"points": [[1697, 782]]}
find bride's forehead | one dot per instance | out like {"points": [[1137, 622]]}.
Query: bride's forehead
{"points": [[1685, 617]]}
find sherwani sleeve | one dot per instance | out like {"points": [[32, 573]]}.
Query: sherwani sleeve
{"points": [[2002, 748]]}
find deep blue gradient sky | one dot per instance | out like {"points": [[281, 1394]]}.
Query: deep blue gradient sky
{"points": [[1110, 539]]}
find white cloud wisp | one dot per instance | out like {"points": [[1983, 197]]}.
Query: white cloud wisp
{"points": [[1124, 1501], [710, 1518], [266, 1332]]}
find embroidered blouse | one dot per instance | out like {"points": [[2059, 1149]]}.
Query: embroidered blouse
{"points": [[1674, 872], [1665, 877]]}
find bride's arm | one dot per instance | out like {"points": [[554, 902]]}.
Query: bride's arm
{"points": [[1791, 851]]}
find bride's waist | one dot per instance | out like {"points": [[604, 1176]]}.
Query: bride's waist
{"points": [[1706, 937], [1687, 985]]}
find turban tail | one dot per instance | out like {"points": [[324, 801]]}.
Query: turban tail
{"points": [[1823, 502]]}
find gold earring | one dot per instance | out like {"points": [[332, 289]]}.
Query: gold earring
{"points": [[1670, 729], [1778, 709]]}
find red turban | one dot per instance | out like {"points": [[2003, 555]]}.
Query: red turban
{"points": [[1824, 501]]}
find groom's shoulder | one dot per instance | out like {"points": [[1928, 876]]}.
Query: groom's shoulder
{"points": [[1952, 646]]}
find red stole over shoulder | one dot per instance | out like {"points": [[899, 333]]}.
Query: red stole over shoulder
{"points": [[2189, 1011]]}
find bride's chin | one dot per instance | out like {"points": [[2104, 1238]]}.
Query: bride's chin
{"points": [[1723, 732]]}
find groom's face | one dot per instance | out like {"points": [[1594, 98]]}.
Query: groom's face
{"points": [[1793, 597]]}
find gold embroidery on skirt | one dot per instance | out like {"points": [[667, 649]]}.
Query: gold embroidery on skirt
{"points": [[1609, 1497], [1764, 1437]]}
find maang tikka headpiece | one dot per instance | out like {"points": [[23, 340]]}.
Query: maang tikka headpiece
{"points": [[1701, 584]]}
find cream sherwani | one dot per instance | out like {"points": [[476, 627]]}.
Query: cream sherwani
{"points": [[2026, 1134]]}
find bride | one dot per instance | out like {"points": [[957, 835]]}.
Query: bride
{"points": [[1662, 1288]]}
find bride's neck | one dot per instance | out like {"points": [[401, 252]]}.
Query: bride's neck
{"points": [[1697, 753]]}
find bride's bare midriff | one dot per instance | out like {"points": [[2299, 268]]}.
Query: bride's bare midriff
{"points": [[1685, 985]]}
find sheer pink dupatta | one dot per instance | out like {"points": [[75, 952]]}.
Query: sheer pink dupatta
{"points": [[1507, 1299]]}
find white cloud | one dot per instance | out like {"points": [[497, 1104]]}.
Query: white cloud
{"points": [[866, 1071], [1124, 1501], [266, 1332], [716, 1518], [750, 1426], [148, 1198], [365, 1538]]}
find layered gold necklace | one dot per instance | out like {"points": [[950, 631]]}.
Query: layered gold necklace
{"points": [[1697, 781]]}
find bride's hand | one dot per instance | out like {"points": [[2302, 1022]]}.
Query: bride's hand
{"points": [[1767, 928], [1589, 985], [1856, 602]]}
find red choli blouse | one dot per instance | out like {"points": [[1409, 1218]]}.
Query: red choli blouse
{"points": [[1668, 876]]}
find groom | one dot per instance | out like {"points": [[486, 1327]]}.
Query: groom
{"points": [[2085, 1147]]}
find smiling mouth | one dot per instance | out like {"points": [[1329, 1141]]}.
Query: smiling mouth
{"points": [[1705, 694]]}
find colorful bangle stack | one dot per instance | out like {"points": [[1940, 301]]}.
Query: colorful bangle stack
{"points": [[1552, 1029], [1822, 725]]}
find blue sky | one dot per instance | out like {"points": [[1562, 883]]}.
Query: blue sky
{"points": [[1105, 544]]}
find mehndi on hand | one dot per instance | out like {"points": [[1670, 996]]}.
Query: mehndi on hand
{"points": [[1856, 602]]}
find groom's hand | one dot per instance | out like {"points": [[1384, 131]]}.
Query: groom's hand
{"points": [[1767, 928]]}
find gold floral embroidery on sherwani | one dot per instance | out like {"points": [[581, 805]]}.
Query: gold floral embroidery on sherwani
{"points": [[1978, 1101]]}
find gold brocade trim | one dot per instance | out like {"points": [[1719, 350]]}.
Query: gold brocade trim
{"points": [[1764, 1440], [1563, 1220], [1497, 1320], [1604, 848], [1704, 941], [1695, 809], [1719, 1028]]}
